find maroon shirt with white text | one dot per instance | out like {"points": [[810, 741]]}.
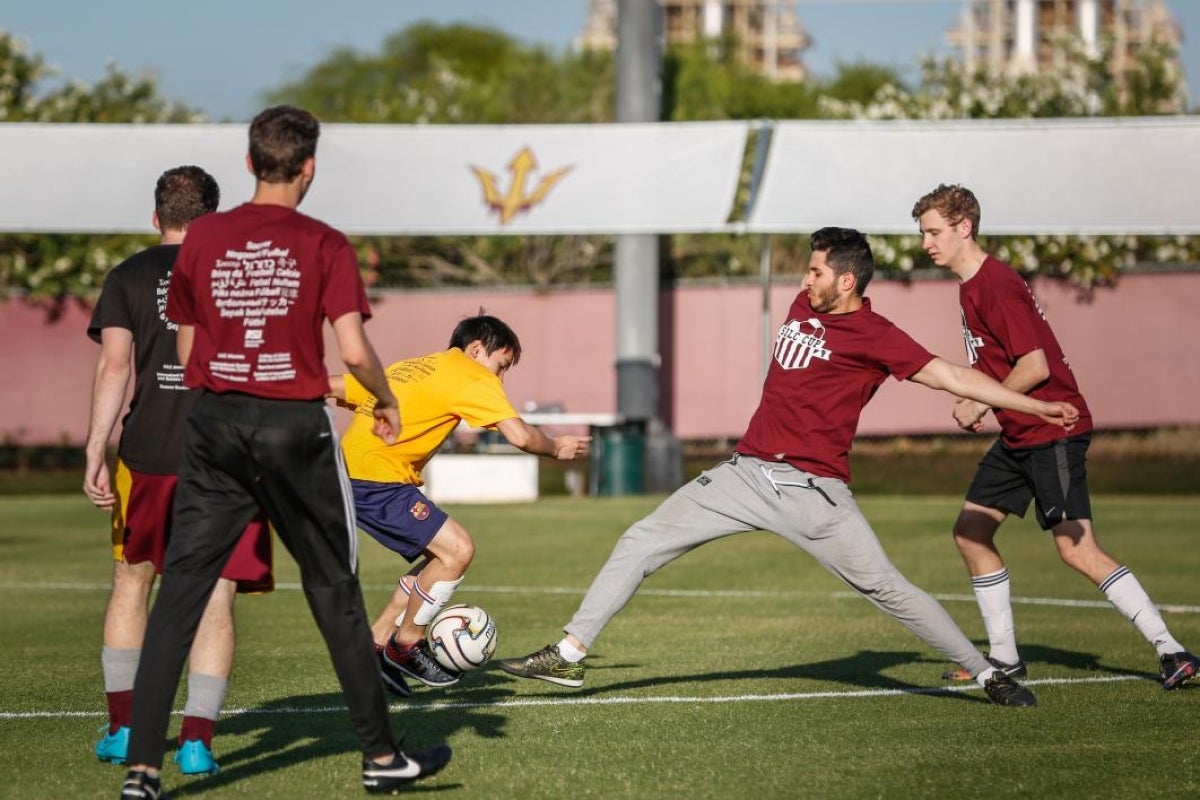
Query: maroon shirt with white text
{"points": [[824, 370], [258, 282]]}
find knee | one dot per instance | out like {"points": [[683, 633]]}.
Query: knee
{"points": [[460, 554]]}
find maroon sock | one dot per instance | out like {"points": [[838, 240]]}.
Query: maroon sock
{"points": [[197, 728], [120, 706], [397, 651]]}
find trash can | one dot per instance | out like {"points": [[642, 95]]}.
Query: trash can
{"points": [[618, 459]]}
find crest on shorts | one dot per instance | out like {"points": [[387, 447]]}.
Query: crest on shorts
{"points": [[420, 511]]}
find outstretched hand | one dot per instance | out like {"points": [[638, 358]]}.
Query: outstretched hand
{"points": [[969, 414], [1062, 414], [571, 448]]}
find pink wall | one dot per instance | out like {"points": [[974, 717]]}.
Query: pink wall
{"points": [[1132, 349]]}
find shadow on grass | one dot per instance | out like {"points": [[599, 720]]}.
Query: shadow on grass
{"points": [[297, 729], [864, 670]]}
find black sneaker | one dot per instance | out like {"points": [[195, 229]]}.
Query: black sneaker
{"points": [[420, 665], [1016, 670], [1004, 691], [404, 769], [140, 786], [1178, 669], [393, 678]]}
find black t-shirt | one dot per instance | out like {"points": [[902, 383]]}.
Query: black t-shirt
{"points": [[135, 298]]}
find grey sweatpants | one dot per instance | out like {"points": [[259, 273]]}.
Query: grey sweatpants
{"points": [[818, 515]]}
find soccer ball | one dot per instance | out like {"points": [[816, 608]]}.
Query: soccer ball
{"points": [[462, 637]]}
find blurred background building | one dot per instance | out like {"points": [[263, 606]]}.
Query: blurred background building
{"points": [[1018, 36], [766, 36]]}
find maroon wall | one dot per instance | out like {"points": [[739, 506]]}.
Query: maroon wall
{"points": [[1132, 348]]}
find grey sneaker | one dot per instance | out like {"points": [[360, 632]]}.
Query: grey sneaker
{"points": [[1178, 669], [1004, 691], [419, 664], [546, 664]]}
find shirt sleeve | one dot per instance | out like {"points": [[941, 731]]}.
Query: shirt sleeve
{"points": [[900, 354], [181, 307], [344, 290], [111, 310], [482, 403]]}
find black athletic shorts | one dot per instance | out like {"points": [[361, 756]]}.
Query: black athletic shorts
{"points": [[1055, 475]]}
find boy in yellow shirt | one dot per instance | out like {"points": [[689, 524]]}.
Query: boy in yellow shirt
{"points": [[436, 392]]}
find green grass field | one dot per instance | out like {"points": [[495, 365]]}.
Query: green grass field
{"points": [[741, 670]]}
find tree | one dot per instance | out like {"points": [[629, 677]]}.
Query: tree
{"points": [[61, 266]]}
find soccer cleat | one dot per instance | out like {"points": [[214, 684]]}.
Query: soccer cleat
{"points": [[113, 747], [393, 678], [1004, 691], [140, 786], [420, 665], [194, 758], [403, 769], [1016, 670], [1178, 669], [546, 664]]}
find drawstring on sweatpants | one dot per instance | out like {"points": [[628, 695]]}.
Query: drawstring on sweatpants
{"points": [[769, 474]]}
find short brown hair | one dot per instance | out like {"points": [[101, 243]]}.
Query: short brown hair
{"points": [[182, 194], [955, 203], [282, 138], [846, 250]]}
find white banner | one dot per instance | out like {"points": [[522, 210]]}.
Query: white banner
{"points": [[392, 179], [1127, 175]]}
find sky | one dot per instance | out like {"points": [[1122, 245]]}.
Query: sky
{"points": [[220, 56]]}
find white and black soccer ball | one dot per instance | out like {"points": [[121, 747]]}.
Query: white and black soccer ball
{"points": [[462, 637]]}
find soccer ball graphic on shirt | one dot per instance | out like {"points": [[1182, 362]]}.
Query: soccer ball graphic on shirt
{"points": [[462, 637]]}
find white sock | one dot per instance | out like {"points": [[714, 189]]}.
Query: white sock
{"points": [[982, 678], [992, 592], [570, 652], [434, 600], [1128, 596]]}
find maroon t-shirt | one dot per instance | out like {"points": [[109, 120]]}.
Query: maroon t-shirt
{"points": [[824, 370], [1002, 322], [257, 282]]}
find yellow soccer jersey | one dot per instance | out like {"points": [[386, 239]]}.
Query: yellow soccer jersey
{"points": [[435, 392]]}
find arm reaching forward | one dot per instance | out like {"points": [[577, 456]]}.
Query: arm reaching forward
{"points": [[522, 435], [974, 385], [1029, 371]]}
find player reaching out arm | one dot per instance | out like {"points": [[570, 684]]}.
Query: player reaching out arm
{"points": [[790, 471], [438, 391]]}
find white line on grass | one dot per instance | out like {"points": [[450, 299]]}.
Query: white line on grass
{"points": [[566, 590], [531, 702]]}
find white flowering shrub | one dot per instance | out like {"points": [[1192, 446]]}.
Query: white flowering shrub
{"points": [[1079, 86]]}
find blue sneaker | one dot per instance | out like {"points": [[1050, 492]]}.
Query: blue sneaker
{"points": [[194, 758], [114, 747]]}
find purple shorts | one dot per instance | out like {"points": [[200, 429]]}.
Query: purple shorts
{"points": [[397, 515]]}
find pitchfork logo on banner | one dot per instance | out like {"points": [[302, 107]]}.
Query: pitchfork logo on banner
{"points": [[518, 196], [799, 342]]}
